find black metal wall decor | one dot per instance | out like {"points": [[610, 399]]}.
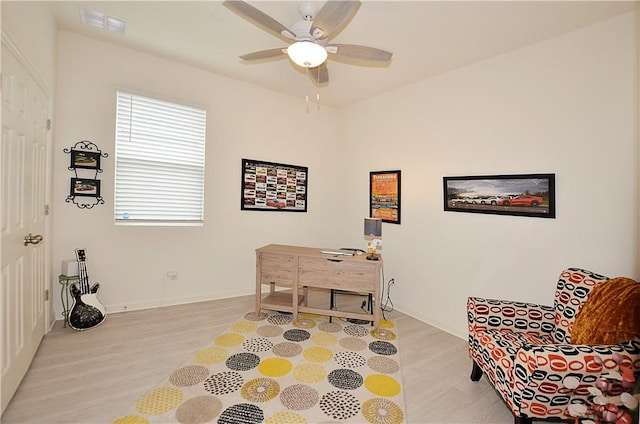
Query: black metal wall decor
{"points": [[85, 163]]}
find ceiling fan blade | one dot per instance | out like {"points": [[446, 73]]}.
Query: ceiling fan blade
{"points": [[353, 51], [264, 54], [319, 75], [259, 18], [333, 16]]}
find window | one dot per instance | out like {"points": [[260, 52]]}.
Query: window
{"points": [[159, 176]]}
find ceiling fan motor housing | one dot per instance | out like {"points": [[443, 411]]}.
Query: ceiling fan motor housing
{"points": [[302, 30], [307, 10]]}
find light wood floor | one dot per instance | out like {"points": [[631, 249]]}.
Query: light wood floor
{"points": [[93, 376]]}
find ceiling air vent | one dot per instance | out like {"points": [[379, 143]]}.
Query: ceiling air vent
{"points": [[99, 20]]}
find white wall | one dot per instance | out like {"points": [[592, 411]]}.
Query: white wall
{"points": [[243, 121], [567, 106], [36, 41]]}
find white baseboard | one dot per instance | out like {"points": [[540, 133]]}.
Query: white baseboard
{"points": [[439, 325], [157, 303]]}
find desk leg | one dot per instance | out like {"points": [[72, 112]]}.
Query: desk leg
{"points": [[376, 301], [258, 284], [296, 289], [295, 302], [376, 316], [332, 303]]}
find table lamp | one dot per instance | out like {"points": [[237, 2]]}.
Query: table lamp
{"points": [[373, 233]]}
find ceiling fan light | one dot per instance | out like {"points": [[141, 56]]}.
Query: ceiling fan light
{"points": [[307, 54]]}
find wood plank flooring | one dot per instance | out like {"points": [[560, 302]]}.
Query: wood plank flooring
{"points": [[93, 376]]}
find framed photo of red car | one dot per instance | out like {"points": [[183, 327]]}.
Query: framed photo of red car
{"points": [[270, 186], [85, 187], [519, 194], [84, 159], [384, 196]]}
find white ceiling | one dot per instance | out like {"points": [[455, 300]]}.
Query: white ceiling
{"points": [[426, 37]]}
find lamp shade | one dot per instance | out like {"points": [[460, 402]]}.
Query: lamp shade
{"points": [[373, 227], [307, 54]]}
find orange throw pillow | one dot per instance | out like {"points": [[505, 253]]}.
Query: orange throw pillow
{"points": [[610, 315]]}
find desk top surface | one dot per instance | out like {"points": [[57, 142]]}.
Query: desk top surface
{"points": [[311, 251]]}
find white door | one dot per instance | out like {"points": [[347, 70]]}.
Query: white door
{"points": [[22, 212]]}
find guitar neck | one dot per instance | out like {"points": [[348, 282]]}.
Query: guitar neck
{"points": [[82, 271]]}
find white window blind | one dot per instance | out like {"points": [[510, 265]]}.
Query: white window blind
{"points": [[159, 176]]}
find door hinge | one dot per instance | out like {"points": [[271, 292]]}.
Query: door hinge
{"points": [[46, 210], [48, 124], [46, 294]]}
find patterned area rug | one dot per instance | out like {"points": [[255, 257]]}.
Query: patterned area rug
{"points": [[265, 368]]}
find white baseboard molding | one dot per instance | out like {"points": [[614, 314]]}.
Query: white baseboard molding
{"points": [[439, 325], [158, 303]]}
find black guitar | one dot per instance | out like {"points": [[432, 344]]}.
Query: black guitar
{"points": [[87, 311]]}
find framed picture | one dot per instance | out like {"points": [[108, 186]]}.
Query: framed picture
{"points": [[269, 186], [85, 187], [84, 159], [384, 196], [523, 194]]}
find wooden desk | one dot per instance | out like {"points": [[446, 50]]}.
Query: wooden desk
{"points": [[304, 267]]}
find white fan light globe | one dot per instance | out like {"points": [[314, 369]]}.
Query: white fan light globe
{"points": [[307, 54]]}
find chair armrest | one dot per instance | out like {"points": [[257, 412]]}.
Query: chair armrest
{"points": [[570, 358], [494, 314], [543, 368]]}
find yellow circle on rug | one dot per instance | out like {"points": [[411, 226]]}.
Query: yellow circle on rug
{"points": [[211, 355], [382, 411], [160, 400], [131, 419], [317, 354], [309, 373], [275, 367], [229, 339], [382, 334], [382, 385], [386, 324], [304, 323], [286, 417], [244, 326], [260, 389], [310, 315], [324, 339]]}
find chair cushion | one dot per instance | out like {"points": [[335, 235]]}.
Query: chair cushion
{"points": [[610, 315], [572, 290]]}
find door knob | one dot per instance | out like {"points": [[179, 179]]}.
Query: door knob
{"points": [[32, 239]]}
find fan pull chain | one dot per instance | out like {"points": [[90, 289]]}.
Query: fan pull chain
{"points": [[318, 91], [306, 97]]}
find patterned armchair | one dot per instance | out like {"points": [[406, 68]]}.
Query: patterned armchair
{"points": [[525, 349]]}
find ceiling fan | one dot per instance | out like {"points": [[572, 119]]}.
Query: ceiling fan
{"points": [[309, 38]]}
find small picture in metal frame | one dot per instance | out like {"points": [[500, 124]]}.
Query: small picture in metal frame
{"points": [[85, 159], [85, 187], [521, 194]]}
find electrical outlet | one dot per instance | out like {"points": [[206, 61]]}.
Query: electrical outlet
{"points": [[172, 275]]}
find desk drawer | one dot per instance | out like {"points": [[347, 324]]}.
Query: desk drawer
{"points": [[277, 268], [358, 276]]}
